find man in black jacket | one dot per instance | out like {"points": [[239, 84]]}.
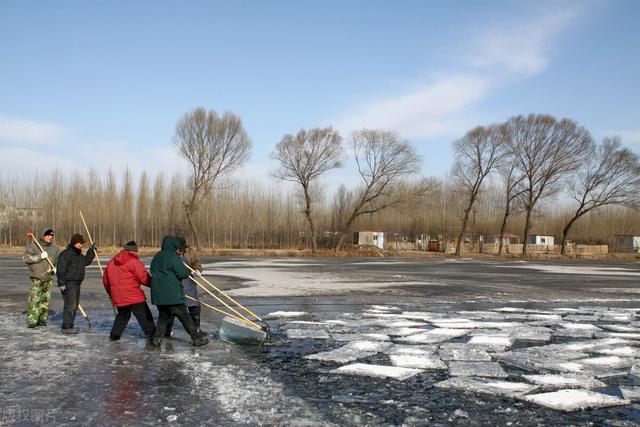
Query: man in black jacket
{"points": [[71, 267]]}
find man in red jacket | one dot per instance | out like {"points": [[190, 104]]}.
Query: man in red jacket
{"points": [[122, 279]]}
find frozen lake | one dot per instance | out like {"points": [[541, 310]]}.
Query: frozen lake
{"points": [[356, 342]]}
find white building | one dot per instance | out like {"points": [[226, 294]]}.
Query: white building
{"points": [[627, 243], [541, 239], [370, 238]]}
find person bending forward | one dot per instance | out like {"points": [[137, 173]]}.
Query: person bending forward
{"points": [[167, 272], [122, 279]]}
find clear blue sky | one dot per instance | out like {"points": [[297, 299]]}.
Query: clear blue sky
{"points": [[102, 84]]}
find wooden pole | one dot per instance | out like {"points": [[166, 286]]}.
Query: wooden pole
{"points": [[226, 295], [213, 308], [113, 307], [84, 313], [243, 318]]}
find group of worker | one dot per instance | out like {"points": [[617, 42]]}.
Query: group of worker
{"points": [[173, 290]]}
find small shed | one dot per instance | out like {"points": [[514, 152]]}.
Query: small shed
{"points": [[627, 243], [370, 238], [507, 239], [541, 239]]}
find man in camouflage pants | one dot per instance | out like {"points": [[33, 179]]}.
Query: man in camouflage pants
{"points": [[41, 277]]}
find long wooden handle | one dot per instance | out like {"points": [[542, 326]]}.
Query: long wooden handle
{"points": [[84, 314], [213, 308], [243, 318], [41, 250], [226, 295], [91, 241]]}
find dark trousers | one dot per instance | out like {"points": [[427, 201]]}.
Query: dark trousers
{"points": [[194, 312], [180, 311], [143, 315], [71, 297]]}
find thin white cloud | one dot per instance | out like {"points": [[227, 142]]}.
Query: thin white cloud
{"points": [[520, 51], [21, 132], [444, 105]]}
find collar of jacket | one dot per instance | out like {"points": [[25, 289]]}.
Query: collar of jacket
{"points": [[74, 249]]}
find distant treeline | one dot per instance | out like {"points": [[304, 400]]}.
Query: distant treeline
{"points": [[242, 214]]}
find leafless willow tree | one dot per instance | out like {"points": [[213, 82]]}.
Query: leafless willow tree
{"points": [[383, 159], [476, 155], [610, 175], [548, 150], [213, 146], [303, 159]]}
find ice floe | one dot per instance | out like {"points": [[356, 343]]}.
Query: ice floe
{"points": [[285, 314], [573, 400], [491, 387], [491, 342], [434, 336], [465, 354], [557, 381], [377, 371], [477, 369], [630, 393], [350, 352], [419, 362], [314, 334]]}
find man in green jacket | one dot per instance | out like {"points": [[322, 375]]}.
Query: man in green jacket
{"points": [[167, 274], [41, 277]]}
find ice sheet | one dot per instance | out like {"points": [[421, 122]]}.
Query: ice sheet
{"points": [[314, 334], [434, 336], [631, 393], [493, 342], [350, 352], [285, 314], [619, 351], [491, 387], [356, 337], [377, 371], [477, 369], [557, 381], [614, 362], [574, 400], [419, 362], [411, 350], [467, 354]]}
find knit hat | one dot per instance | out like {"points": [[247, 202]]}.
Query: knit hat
{"points": [[182, 242], [77, 238], [131, 246]]}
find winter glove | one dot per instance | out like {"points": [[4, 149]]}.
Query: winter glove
{"points": [[62, 289], [93, 247], [44, 255], [197, 273]]}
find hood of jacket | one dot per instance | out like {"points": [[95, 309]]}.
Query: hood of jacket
{"points": [[124, 256], [43, 231], [170, 243]]}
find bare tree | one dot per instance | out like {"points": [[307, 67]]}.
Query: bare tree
{"points": [[512, 179], [213, 146], [548, 150], [609, 176], [476, 155], [303, 159], [382, 160]]}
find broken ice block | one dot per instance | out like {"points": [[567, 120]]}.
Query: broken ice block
{"points": [[477, 369], [377, 371], [573, 400]]}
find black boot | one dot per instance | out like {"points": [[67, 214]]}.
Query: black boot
{"points": [[196, 321], [200, 340]]}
